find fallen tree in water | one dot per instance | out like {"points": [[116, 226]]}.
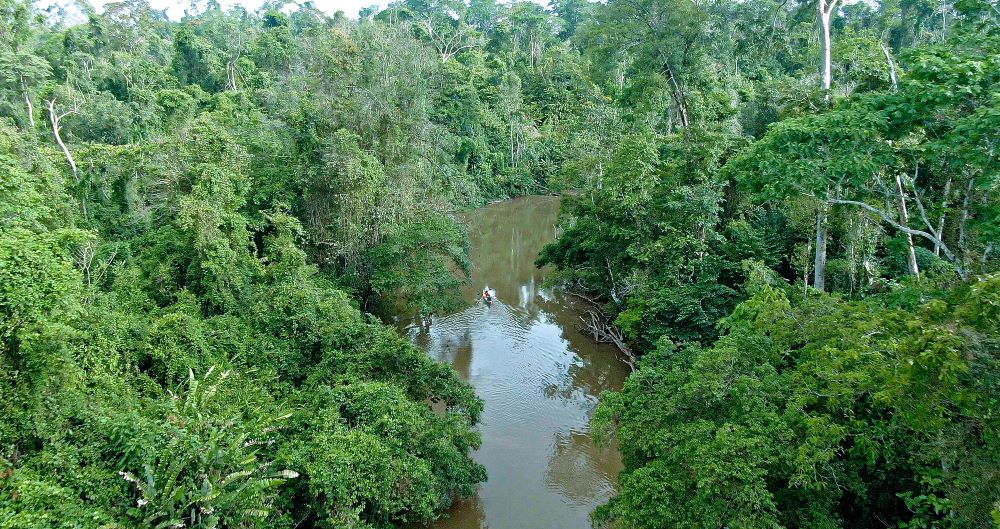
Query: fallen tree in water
{"points": [[597, 324]]}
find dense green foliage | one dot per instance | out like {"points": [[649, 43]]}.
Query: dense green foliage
{"points": [[182, 377], [764, 169], [369, 132], [808, 275], [817, 412], [191, 215], [195, 217]]}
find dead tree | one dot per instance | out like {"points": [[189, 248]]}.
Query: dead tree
{"points": [[55, 118], [596, 324]]}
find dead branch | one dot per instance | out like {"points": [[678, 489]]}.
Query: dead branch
{"points": [[888, 219], [596, 324], [54, 118]]}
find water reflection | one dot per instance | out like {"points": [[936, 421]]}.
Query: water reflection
{"points": [[539, 376], [573, 455]]}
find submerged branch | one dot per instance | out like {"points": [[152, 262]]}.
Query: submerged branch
{"points": [[597, 324]]}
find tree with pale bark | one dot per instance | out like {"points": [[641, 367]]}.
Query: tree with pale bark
{"points": [[917, 159]]}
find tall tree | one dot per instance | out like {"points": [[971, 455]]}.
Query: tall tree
{"points": [[827, 9]]}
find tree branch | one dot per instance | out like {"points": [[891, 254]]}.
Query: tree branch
{"points": [[884, 215], [54, 118]]}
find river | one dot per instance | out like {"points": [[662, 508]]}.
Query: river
{"points": [[539, 376]]}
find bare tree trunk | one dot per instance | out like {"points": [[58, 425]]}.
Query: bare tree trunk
{"points": [[960, 264], [944, 214], [869, 265], [867, 257], [892, 66], [805, 271], [911, 254], [961, 225], [819, 267], [678, 98], [231, 75], [826, 10], [54, 119], [513, 161], [27, 101], [827, 57], [853, 254]]}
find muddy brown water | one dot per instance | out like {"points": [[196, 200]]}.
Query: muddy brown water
{"points": [[539, 376]]}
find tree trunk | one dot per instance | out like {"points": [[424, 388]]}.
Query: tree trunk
{"points": [[27, 101], [54, 119], [679, 99], [231, 75], [959, 262], [826, 11], [961, 226], [853, 256], [867, 251], [805, 271], [827, 56], [892, 67], [819, 267], [869, 265], [513, 161], [911, 254], [944, 214]]}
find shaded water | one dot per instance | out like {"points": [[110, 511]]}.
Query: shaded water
{"points": [[538, 375]]}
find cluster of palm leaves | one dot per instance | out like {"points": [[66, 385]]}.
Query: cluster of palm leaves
{"points": [[210, 472]]}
